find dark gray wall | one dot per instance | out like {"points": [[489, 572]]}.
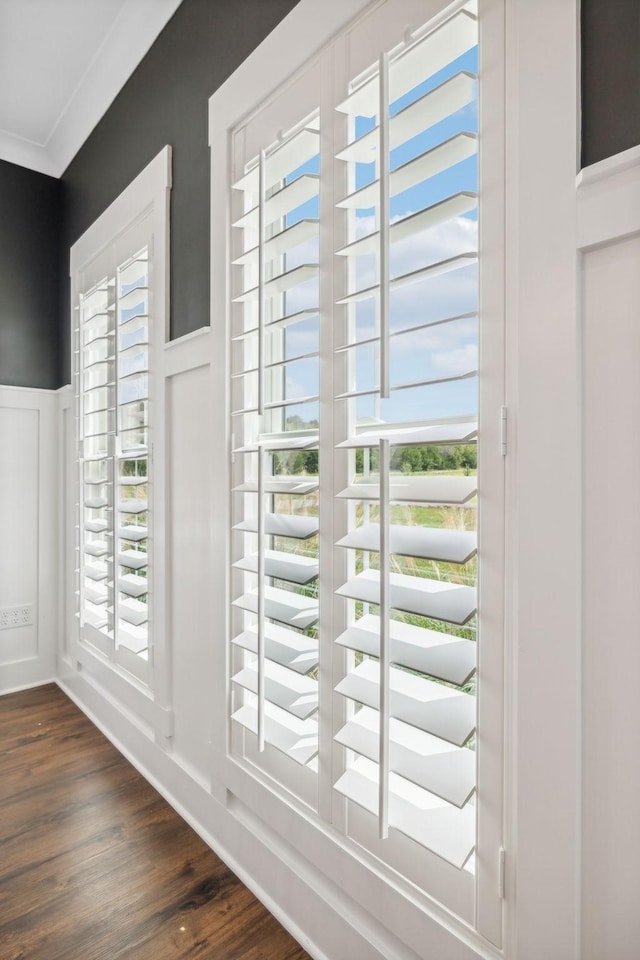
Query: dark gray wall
{"points": [[166, 101], [29, 279], [610, 77]]}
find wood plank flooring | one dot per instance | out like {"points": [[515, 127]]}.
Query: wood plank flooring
{"points": [[95, 865]]}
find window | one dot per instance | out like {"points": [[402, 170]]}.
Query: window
{"points": [[119, 329], [366, 393]]}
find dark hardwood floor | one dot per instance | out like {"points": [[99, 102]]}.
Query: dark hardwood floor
{"points": [[95, 865]]}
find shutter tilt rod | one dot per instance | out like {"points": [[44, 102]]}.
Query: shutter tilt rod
{"points": [[385, 652], [261, 527], [261, 452], [383, 173], [79, 411], [261, 266], [114, 316]]}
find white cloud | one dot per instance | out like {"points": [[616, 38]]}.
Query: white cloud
{"points": [[304, 296], [301, 342], [295, 390], [445, 337], [306, 252], [301, 379], [457, 361], [364, 226], [442, 242]]}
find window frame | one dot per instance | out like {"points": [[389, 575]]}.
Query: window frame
{"points": [[234, 101], [138, 217]]}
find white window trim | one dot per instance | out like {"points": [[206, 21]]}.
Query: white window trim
{"points": [[147, 195], [544, 535], [301, 35]]}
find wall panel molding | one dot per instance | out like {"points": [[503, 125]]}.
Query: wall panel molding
{"points": [[611, 777], [608, 237], [608, 196], [29, 534]]}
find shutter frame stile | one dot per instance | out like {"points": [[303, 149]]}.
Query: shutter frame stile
{"points": [[261, 306], [385, 643], [383, 173], [261, 598]]}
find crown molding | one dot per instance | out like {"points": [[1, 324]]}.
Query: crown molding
{"points": [[132, 33], [25, 153]]}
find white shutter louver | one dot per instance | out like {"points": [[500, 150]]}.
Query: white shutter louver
{"points": [[410, 371], [275, 423], [95, 412], [133, 455], [113, 425]]}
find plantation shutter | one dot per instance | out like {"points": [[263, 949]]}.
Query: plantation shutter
{"points": [[112, 401], [95, 399], [133, 450], [408, 359], [275, 426], [367, 529]]}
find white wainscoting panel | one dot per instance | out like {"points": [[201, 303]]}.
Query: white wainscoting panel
{"points": [[28, 534], [611, 657], [190, 589], [66, 523]]}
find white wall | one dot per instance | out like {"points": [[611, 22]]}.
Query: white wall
{"points": [[610, 216], [191, 590], [28, 533]]}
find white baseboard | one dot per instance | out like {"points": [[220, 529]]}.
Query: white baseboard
{"points": [[5, 690]]}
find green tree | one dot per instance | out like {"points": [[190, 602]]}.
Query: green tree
{"points": [[411, 459], [297, 463], [431, 458], [452, 458], [468, 457], [311, 462]]}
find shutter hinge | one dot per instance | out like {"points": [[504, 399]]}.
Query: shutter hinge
{"points": [[503, 431], [501, 872]]}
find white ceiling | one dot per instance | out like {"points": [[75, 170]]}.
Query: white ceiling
{"points": [[62, 63]]}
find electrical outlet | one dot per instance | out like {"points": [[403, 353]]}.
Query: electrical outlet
{"points": [[12, 617]]}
